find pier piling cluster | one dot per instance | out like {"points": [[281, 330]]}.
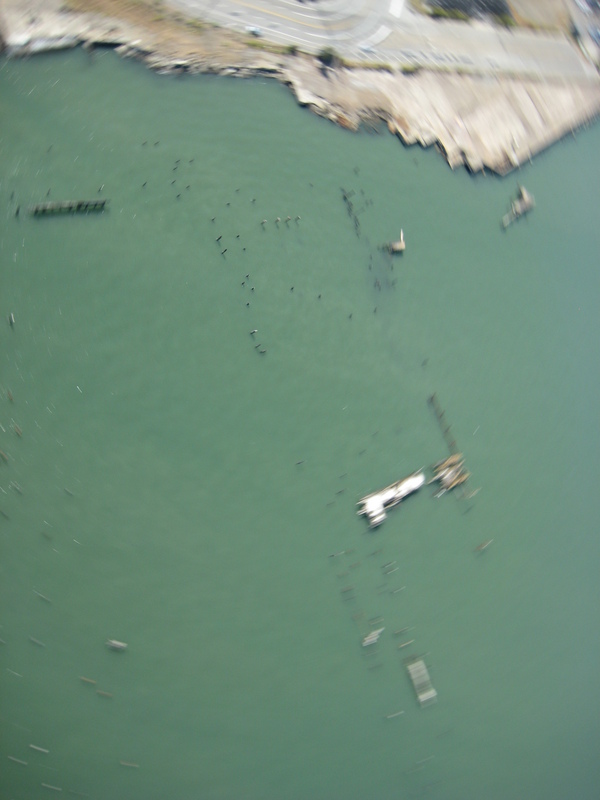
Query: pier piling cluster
{"points": [[347, 196], [450, 472]]}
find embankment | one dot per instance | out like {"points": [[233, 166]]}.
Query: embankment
{"points": [[481, 121]]}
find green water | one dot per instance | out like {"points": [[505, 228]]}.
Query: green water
{"points": [[155, 494]]}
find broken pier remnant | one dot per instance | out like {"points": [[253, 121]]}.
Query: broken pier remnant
{"points": [[450, 472], [523, 203], [399, 246]]}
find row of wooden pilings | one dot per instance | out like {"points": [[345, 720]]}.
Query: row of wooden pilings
{"points": [[67, 207]]}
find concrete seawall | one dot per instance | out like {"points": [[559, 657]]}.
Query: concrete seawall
{"points": [[483, 121]]}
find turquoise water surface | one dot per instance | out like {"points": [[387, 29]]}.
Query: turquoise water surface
{"points": [[169, 485]]}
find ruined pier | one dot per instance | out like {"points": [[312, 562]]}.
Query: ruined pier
{"points": [[450, 471], [441, 418]]}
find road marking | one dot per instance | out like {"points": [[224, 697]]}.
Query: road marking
{"points": [[296, 38], [396, 7], [279, 16], [379, 35]]}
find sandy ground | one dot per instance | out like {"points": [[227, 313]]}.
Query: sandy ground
{"points": [[481, 121], [546, 14]]}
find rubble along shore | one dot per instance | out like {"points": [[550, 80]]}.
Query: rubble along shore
{"points": [[482, 121]]}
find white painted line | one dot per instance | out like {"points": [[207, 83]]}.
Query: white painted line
{"points": [[396, 7], [378, 36]]}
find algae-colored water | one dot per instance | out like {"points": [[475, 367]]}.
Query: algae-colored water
{"points": [[176, 488]]}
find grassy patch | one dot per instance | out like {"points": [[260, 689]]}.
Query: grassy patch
{"points": [[411, 69], [329, 58], [505, 20], [450, 13]]}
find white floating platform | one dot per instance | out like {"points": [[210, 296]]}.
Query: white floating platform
{"points": [[421, 681], [376, 504]]}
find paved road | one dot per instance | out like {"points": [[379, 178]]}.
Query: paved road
{"points": [[388, 31]]}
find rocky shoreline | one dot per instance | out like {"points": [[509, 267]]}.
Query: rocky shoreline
{"points": [[480, 121]]}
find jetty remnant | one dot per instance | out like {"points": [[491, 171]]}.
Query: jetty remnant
{"points": [[419, 675], [376, 504], [450, 472], [67, 206], [523, 203], [399, 246]]}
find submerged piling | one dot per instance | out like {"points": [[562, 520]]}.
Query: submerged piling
{"points": [[440, 414]]}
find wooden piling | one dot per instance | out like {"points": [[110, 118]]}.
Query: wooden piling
{"points": [[440, 414]]}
